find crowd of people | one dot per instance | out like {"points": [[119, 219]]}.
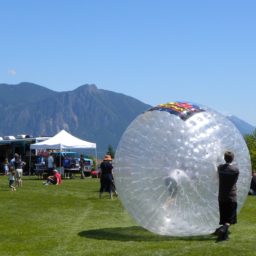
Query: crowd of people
{"points": [[13, 169], [67, 163]]}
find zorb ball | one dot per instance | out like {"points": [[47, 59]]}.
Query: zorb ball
{"points": [[165, 168]]}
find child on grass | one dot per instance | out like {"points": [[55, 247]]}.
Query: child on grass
{"points": [[11, 178]]}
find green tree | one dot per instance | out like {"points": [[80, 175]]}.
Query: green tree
{"points": [[111, 151], [251, 144], [94, 162]]}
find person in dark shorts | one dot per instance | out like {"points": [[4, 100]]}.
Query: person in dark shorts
{"points": [[228, 176], [82, 166], [252, 190], [106, 178]]}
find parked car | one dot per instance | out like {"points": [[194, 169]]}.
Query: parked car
{"points": [[88, 166]]}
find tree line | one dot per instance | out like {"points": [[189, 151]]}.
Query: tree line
{"points": [[250, 140]]}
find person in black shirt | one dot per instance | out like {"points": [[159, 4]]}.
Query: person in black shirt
{"points": [[106, 177], [252, 190], [228, 176], [82, 166]]}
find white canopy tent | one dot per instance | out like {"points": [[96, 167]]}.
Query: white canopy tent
{"points": [[64, 140]]}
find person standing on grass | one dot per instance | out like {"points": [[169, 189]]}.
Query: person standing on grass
{"points": [[106, 177], [18, 166], [228, 176], [11, 177], [252, 190], [6, 166], [50, 164], [82, 166]]}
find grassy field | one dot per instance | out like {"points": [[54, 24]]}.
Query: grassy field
{"points": [[70, 219]]}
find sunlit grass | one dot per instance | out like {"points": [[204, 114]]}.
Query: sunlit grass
{"points": [[70, 219]]}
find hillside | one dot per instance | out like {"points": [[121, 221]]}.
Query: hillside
{"points": [[244, 127], [87, 112]]}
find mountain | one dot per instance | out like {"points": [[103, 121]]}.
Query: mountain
{"points": [[244, 127], [87, 112], [23, 92]]}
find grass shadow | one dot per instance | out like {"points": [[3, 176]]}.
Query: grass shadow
{"points": [[136, 233]]}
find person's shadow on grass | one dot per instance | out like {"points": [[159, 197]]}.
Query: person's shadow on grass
{"points": [[136, 233]]}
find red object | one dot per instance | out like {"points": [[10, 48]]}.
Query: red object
{"points": [[95, 173], [58, 177]]}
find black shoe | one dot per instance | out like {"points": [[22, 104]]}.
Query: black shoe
{"points": [[223, 234], [216, 232]]}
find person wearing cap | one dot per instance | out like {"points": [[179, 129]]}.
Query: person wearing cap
{"points": [[106, 178], [228, 176], [54, 179]]}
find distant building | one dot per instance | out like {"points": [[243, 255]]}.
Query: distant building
{"points": [[9, 145]]}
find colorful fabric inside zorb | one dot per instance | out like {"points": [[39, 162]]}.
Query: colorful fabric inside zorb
{"points": [[182, 109]]}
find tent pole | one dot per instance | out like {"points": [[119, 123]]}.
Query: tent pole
{"points": [[60, 157], [29, 169], [96, 158]]}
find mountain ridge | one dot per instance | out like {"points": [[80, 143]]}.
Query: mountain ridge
{"points": [[90, 113], [93, 114], [244, 127]]}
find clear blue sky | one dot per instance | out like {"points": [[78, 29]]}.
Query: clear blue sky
{"points": [[153, 50]]}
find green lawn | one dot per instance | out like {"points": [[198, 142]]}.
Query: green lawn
{"points": [[70, 220]]}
